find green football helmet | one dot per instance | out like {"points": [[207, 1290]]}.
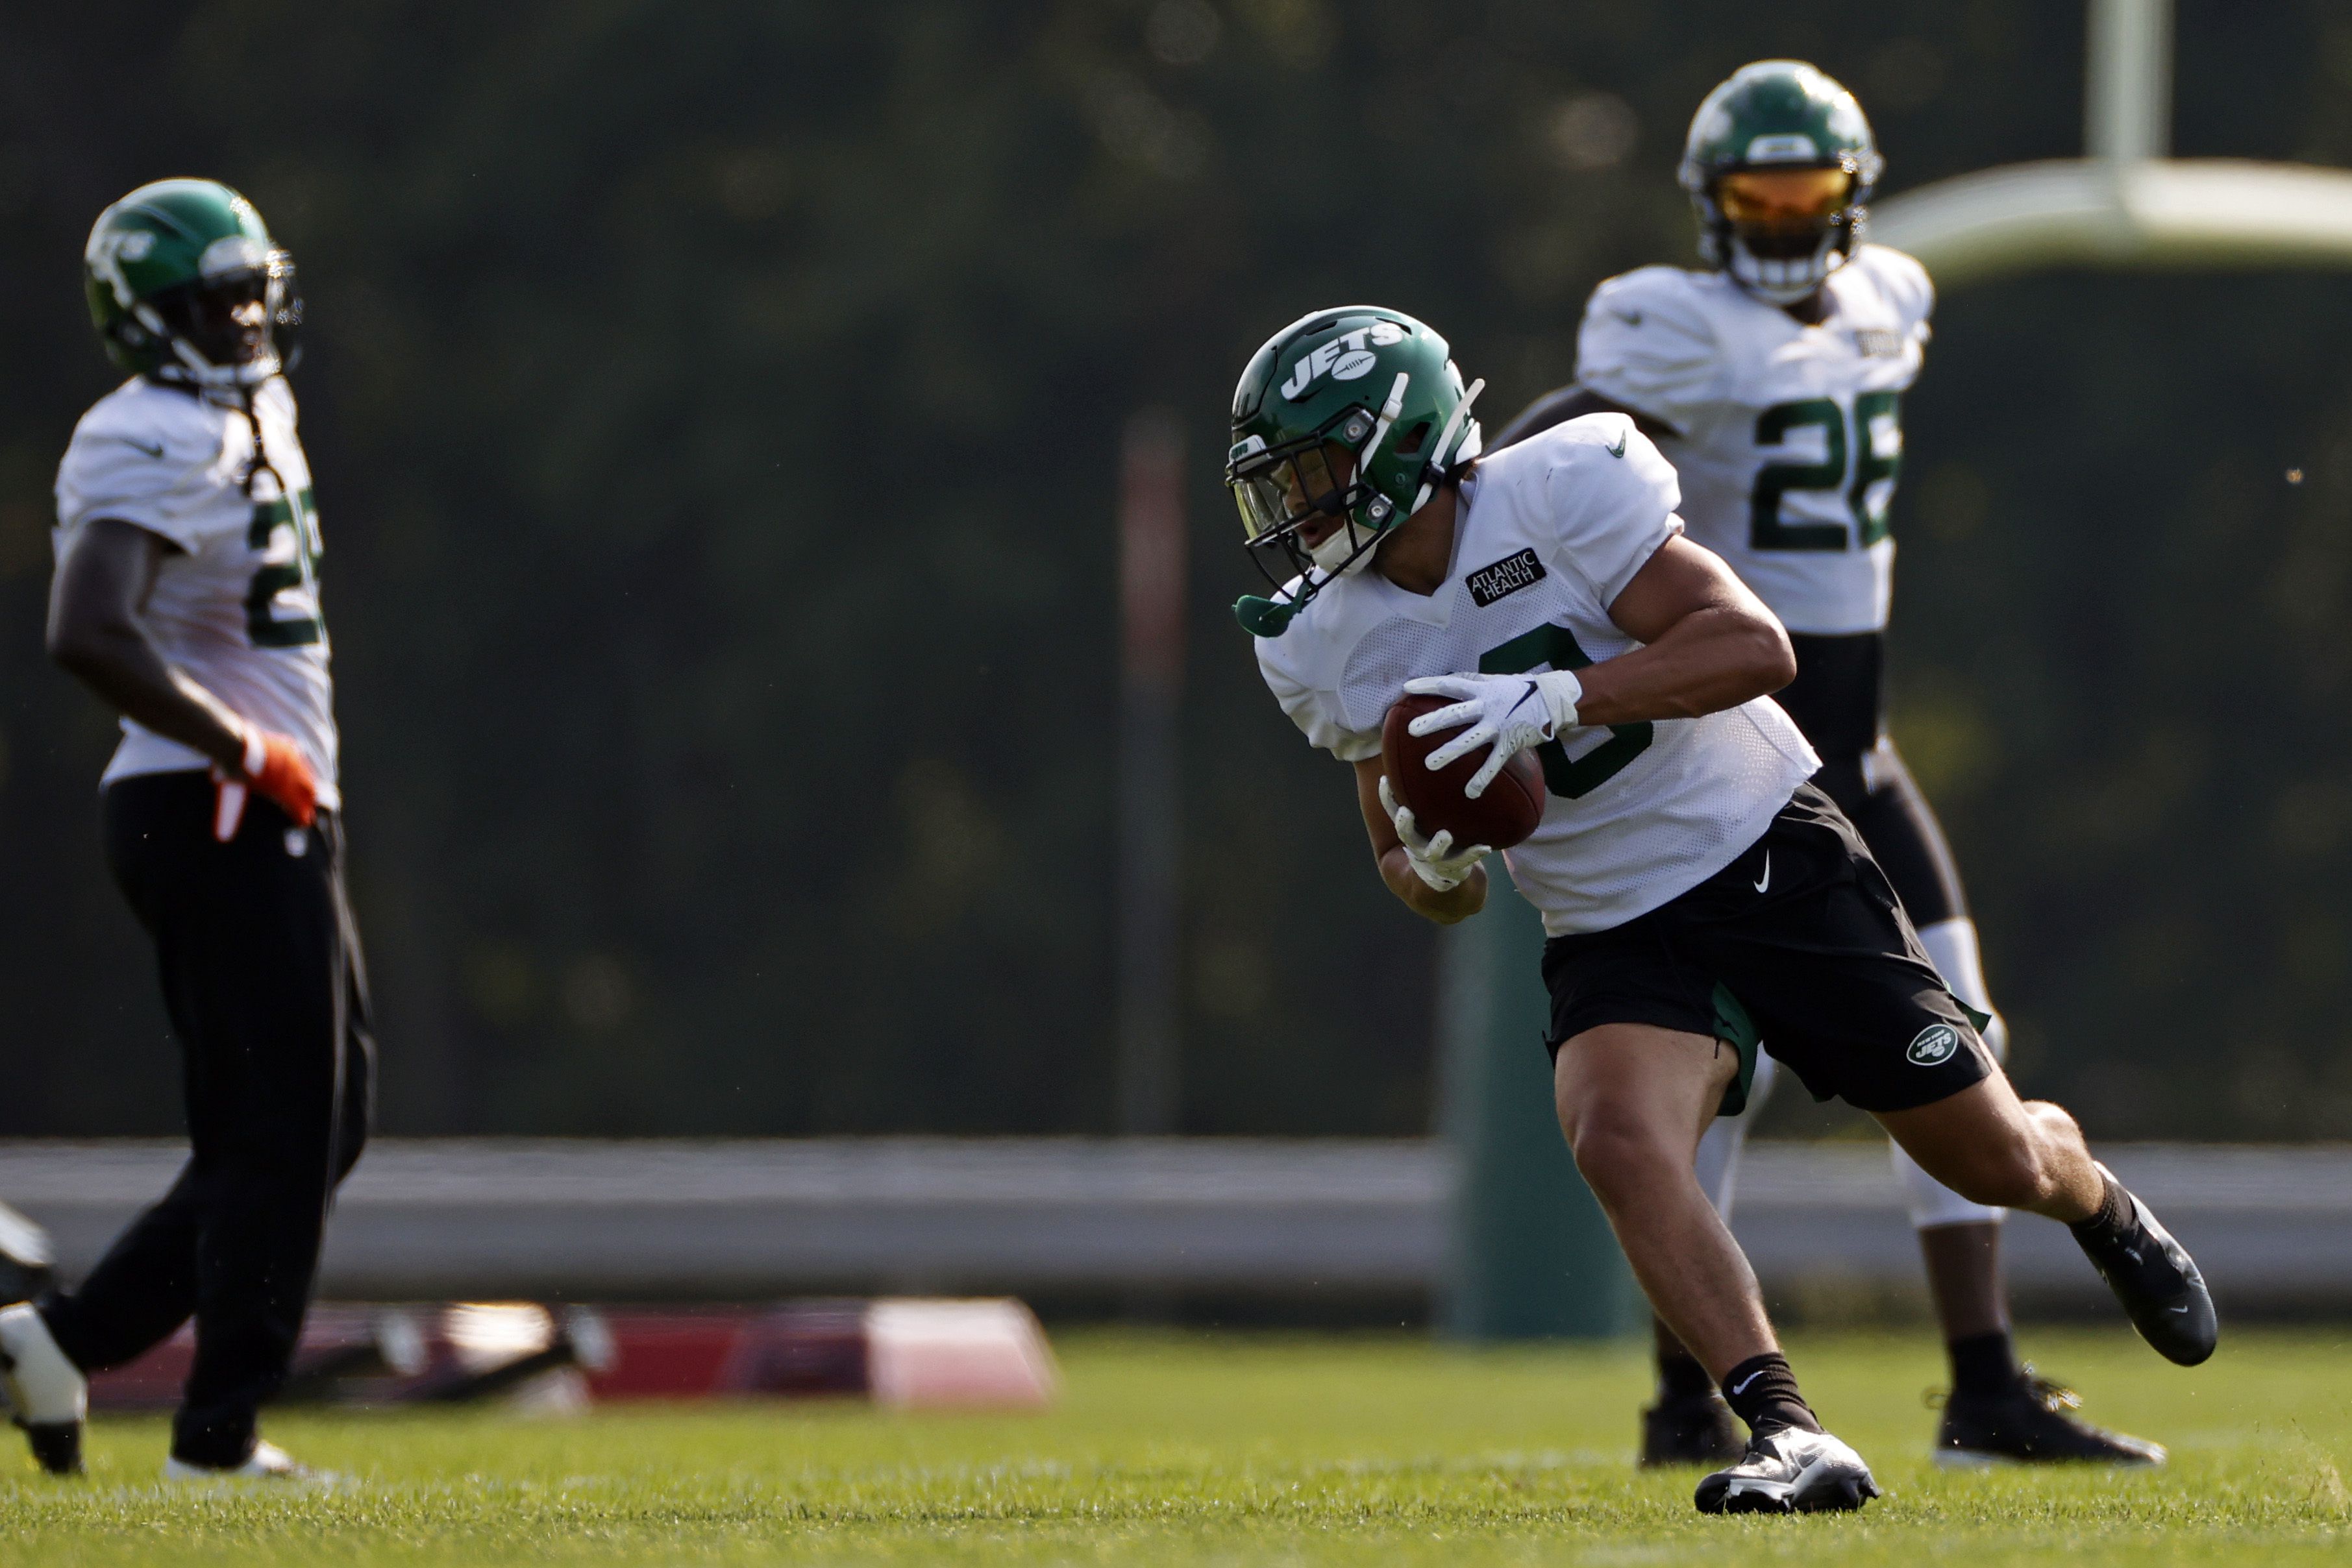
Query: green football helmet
{"points": [[1770, 116], [185, 286], [1357, 414]]}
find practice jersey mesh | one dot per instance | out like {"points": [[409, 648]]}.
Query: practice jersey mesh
{"points": [[235, 603], [1789, 437], [1551, 532]]}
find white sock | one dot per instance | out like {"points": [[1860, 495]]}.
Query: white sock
{"points": [[1719, 1151], [1952, 947]]}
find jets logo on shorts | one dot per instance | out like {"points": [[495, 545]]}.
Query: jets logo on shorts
{"points": [[1933, 1044]]}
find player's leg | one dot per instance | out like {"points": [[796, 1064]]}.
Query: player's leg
{"points": [[1958, 1240], [1633, 1099], [251, 950], [140, 1292], [1989, 1145], [1689, 1424], [265, 981], [1997, 1409], [145, 1286], [1835, 974], [226, 1386]]}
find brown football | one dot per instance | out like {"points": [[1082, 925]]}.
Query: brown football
{"points": [[1504, 815]]}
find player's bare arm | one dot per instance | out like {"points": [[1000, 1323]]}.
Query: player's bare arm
{"points": [[1708, 643], [96, 631], [1443, 906], [1705, 644], [95, 608]]}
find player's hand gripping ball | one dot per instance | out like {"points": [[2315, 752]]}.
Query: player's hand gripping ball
{"points": [[1504, 814]]}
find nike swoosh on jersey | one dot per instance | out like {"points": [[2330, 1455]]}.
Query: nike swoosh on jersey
{"points": [[1765, 880], [1630, 317], [155, 451], [1618, 450]]}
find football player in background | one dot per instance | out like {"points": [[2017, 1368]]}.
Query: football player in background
{"points": [[1547, 591], [186, 597], [1773, 381]]}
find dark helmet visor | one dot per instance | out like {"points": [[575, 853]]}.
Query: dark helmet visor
{"points": [[1789, 198]]}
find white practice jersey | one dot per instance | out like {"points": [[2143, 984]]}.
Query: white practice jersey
{"points": [[1551, 532], [1788, 436], [236, 602]]}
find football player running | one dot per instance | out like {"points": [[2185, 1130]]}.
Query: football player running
{"points": [[1549, 591], [187, 596], [1773, 380]]}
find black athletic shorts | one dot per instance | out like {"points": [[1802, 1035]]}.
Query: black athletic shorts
{"points": [[1838, 699], [1805, 931]]}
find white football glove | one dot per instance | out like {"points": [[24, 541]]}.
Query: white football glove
{"points": [[1509, 713], [1434, 859]]}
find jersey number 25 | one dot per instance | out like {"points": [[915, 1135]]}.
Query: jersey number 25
{"points": [[262, 621]]}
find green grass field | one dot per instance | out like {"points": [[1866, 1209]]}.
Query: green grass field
{"points": [[1181, 1448]]}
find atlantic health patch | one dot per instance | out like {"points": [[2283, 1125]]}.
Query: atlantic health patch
{"points": [[1505, 577]]}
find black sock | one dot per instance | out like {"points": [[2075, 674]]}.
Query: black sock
{"points": [[1680, 1376], [2115, 1217], [1763, 1393], [1984, 1364]]}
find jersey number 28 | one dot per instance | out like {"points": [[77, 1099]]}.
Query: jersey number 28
{"points": [[1765, 529]]}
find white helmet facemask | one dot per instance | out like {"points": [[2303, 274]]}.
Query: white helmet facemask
{"points": [[1783, 280]]}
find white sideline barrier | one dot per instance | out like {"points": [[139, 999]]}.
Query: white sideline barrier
{"points": [[754, 1218]]}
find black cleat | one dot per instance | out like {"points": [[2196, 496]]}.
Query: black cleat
{"points": [[1790, 1471], [2157, 1282], [1697, 1429], [56, 1446], [2028, 1424]]}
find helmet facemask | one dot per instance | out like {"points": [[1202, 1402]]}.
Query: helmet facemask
{"points": [[1283, 491], [233, 327], [1782, 232]]}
